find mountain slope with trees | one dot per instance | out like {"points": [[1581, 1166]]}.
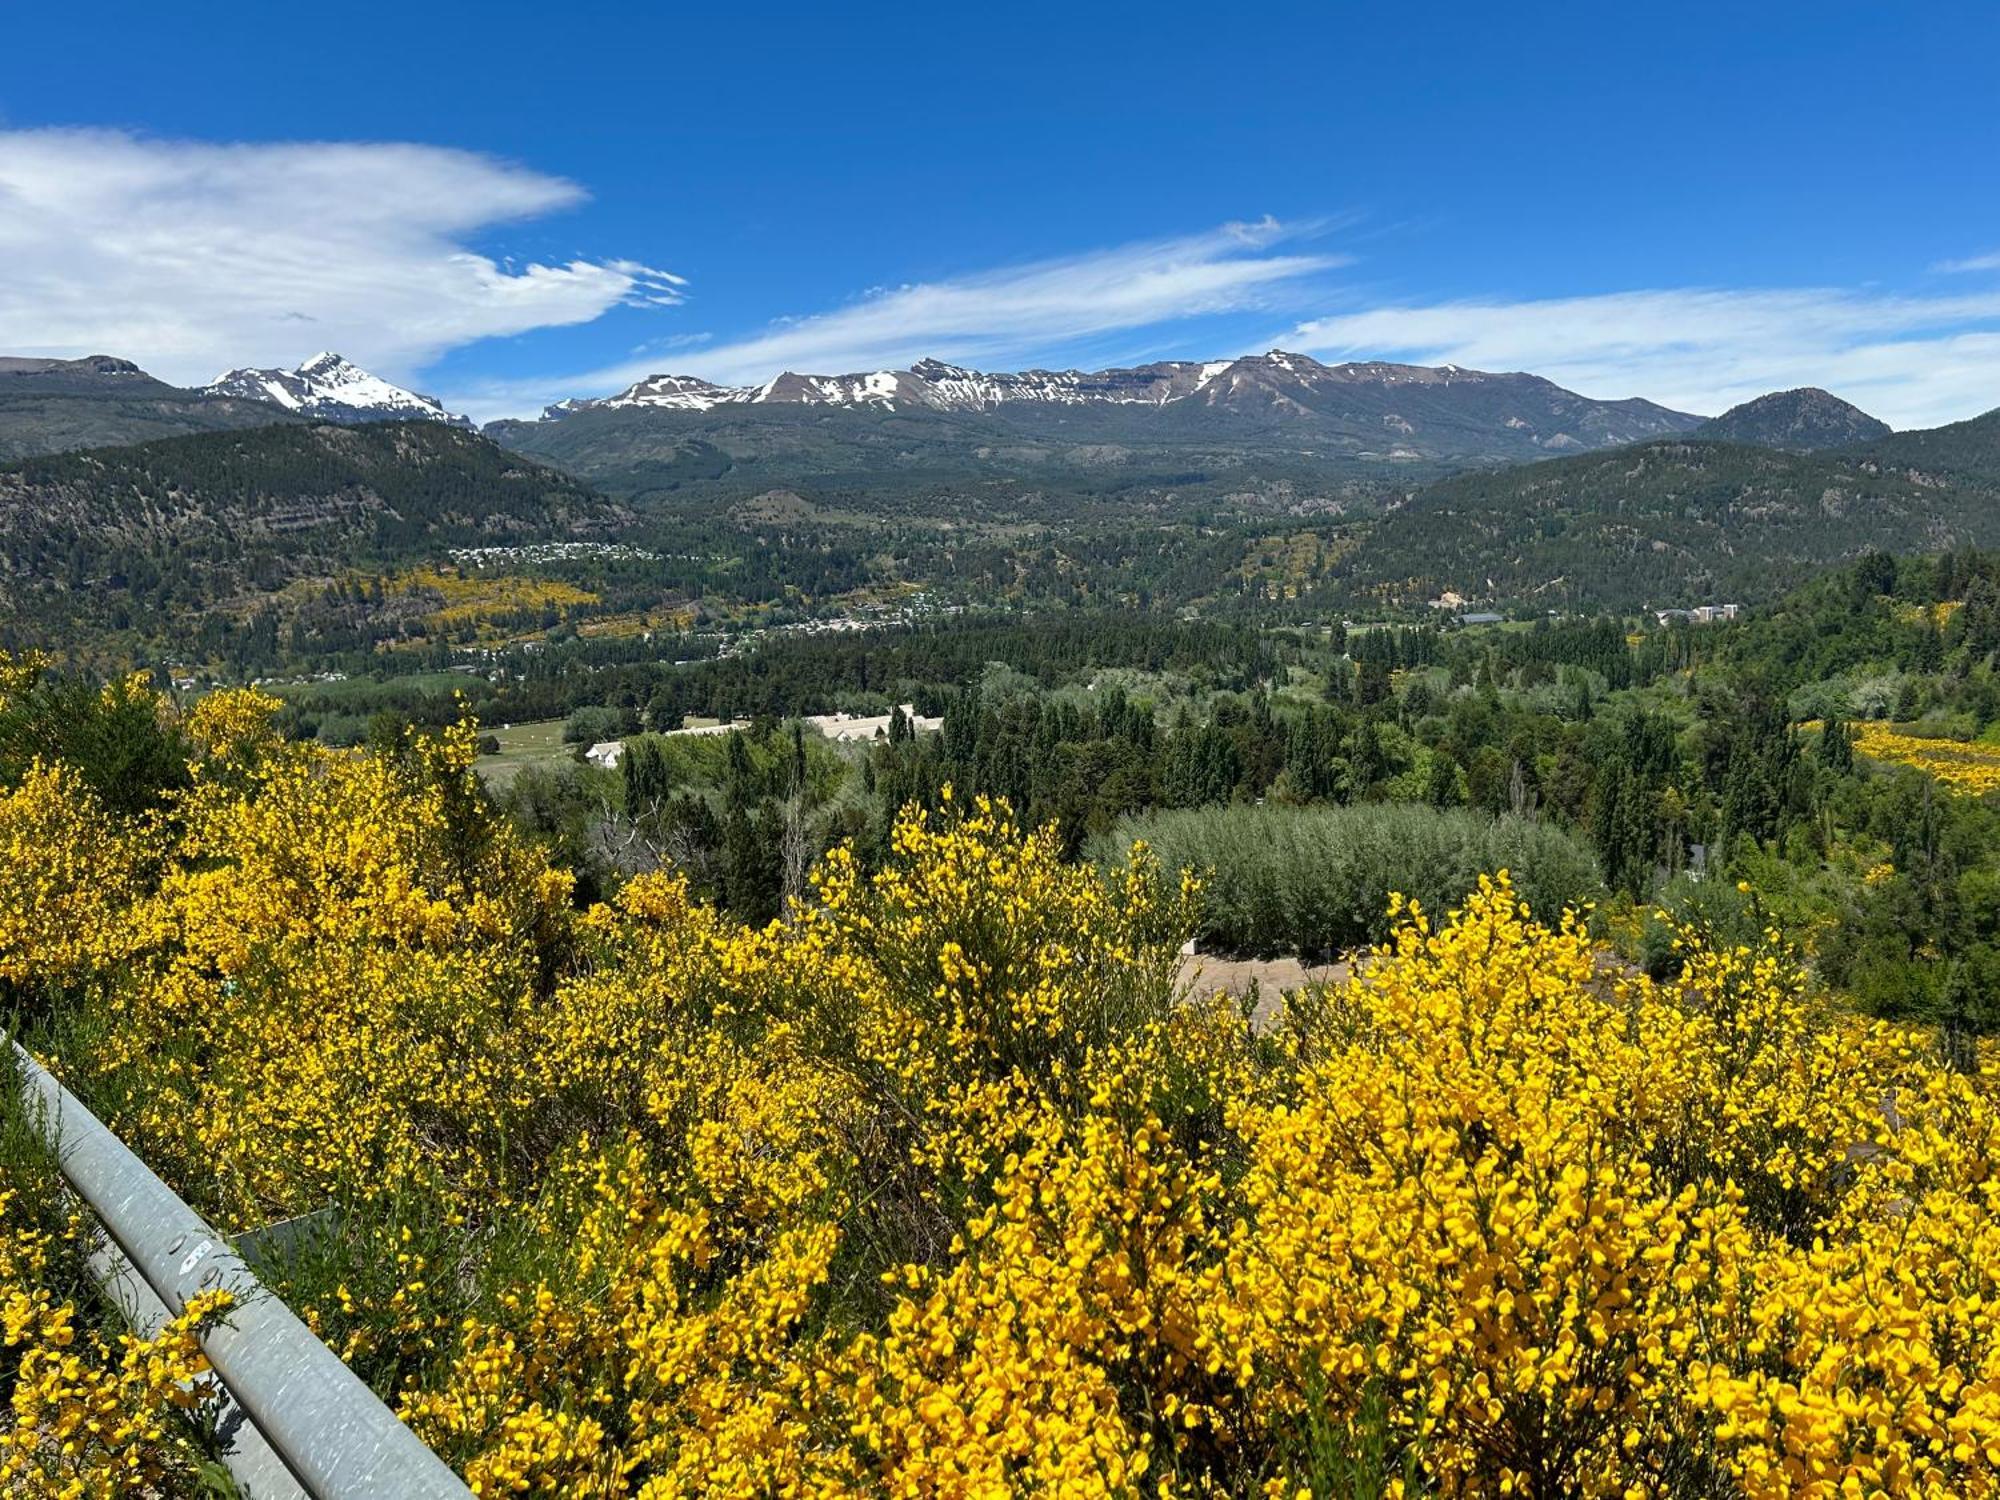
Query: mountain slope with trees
{"points": [[1968, 450], [1671, 523], [157, 536], [1803, 421], [59, 405]]}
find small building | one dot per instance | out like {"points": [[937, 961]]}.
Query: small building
{"points": [[1481, 617], [1701, 614], [606, 753], [869, 726]]}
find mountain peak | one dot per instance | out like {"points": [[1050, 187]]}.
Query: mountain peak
{"points": [[331, 388], [1802, 421], [938, 369]]}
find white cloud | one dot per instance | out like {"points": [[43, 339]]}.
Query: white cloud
{"points": [[1913, 361], [190, 257], [1001, 318]]}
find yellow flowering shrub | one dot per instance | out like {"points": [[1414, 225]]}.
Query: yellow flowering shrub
{"points": [[87, 1418], [18, 673], [938, 1187], [1588, 1237], [67, 878], [1965, 766]]}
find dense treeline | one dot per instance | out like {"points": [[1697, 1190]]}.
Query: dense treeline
{"points": [[1079, 722], [1887, 638], [859, 671], [1319, 881]]}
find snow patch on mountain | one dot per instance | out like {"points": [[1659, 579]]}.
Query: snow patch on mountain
{"points": [[1277, 386], [328, 388]]}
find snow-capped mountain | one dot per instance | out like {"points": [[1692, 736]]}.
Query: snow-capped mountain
{"points": [[1409, 408], [928, 383], [1278, 420], [327, 388]]}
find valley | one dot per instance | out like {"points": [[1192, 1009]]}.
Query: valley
{"points": [[814, 752], [344, 535]]}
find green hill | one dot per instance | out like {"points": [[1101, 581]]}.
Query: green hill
{"points": [[1968, 450], [1804, 421], [154, 537], [1667, 523]]}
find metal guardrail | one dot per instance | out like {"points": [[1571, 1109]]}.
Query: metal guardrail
{"points": [[295, 1420]]}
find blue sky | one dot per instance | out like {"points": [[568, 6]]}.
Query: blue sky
{"points": [[509, 203]]}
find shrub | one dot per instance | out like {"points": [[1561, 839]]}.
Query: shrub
{"points": [[935, 1187], [1318, 880], [114, 735]]}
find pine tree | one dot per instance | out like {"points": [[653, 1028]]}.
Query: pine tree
{"points": [[1367, 763], [1441, 784]]}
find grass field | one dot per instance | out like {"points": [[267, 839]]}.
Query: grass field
{"points": [[522, 745]]}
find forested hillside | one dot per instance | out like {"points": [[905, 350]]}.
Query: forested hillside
{"points": [[1673, 523], [1968, 450], [1802, 421], [291, 549], [156, 539], [945, 466]]}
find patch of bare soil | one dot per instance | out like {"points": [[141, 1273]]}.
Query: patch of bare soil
{"points": [[1205, 974]]}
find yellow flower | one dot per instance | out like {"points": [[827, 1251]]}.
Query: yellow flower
{"points": [[938, 1187]]}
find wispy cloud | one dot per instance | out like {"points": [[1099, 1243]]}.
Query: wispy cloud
{"points": [[191, 256], [1913, 361], [999, 317]]}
